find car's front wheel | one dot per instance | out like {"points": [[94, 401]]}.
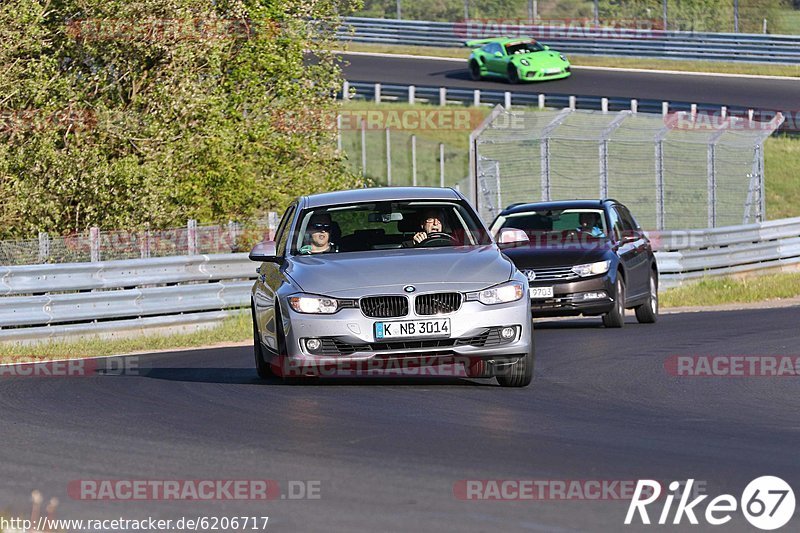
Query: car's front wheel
{"points": [[647, 313], [513, 75], [262, 367], [616, 317], [475, 71], [518, 374]]}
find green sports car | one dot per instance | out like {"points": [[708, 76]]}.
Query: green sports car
{"points": [[516, 59]]}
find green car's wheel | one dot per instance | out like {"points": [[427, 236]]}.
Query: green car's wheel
{"points": [[513, 75], [475, 71]]}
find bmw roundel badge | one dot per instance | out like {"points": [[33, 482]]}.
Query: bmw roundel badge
{"points": [[409, 288]]}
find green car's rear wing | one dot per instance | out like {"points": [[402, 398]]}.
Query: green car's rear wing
{"points": [[477, 43]]}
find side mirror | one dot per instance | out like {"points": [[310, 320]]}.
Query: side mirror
{"points": [[264, 252], [509, 237], [546, 47], [630, 236], [498, 54]]}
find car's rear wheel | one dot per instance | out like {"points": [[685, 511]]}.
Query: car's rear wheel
{"points": [[519, 374], [616, 317], [475, 71], [647, 313], [262, 367], [513, 75]]}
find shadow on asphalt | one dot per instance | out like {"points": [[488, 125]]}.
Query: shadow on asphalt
{"points": [[246, 376]]}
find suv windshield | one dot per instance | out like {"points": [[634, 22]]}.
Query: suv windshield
{"points": [[387, 226]]}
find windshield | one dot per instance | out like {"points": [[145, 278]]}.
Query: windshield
{"points": [[549, 222], [524, 48], [387, 226]]}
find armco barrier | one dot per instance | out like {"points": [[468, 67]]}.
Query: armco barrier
{"points": [[624, 42], [48, 301], [41, 302], [685, 256]]}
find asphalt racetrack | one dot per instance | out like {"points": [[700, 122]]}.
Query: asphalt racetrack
{"points": [[388, 454], [757, 93]]}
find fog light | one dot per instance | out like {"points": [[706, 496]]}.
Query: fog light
{"points": [[508, 333], [313, 345]]}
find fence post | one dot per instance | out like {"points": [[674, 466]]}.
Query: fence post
{"points": [[363, 148], [665, 108], [723, 112], [388, 158], [441, 164], [339, 132], [572, 102], [232, 234], [414, 160], [411, 94], [377, 93], [507, 100], [94, 243], [346, 91], [541, 101], [476, 97], [272, 224], [634, 106], [442, 95], [44, 246], [659, 146], [144, 244], [604, 105], [191, 237]]}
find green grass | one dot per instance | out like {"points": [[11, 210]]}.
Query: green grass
{"points": [[728, 290], [234, 329], [781, 159], [603, 61]]}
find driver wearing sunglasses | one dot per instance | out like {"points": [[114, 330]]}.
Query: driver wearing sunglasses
{"points": [[318, 235]]}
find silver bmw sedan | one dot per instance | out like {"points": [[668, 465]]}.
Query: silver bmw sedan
{"points": [[390, 281]]}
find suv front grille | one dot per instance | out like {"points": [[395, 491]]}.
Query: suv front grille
{"points": [[384, 306], [564, 273], [438, 303]]}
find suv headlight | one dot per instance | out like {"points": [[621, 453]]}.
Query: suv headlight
{"points": [[592, 269], [310, 304], [499, 294]]}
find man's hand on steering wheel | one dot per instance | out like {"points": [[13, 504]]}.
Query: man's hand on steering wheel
{"points": [[437, 237]]}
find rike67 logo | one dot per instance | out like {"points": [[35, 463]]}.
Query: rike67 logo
{"points": [[767, 503]]}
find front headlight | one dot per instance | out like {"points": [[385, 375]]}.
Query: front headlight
{"points": [[563, 57], [310, 304], [524, 62], [592, 269], [499, 294]]}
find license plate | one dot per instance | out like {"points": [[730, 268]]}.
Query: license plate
{"points": [[412, 328], [540, 292], [553, 71]]}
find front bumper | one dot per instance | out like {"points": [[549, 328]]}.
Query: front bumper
{"points": [[567, 300], [544, 74], [349, 342]]}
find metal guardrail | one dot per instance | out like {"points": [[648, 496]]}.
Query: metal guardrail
{"points": [[47, 301], [685, 256], [508, 99], [42, 302], [600, 41]]}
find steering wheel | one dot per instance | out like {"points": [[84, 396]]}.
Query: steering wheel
{"points": [[437, 238]]}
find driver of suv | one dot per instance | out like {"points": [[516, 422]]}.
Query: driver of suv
{"points": [[430, 222]]}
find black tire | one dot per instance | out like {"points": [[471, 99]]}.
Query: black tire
{"points": [[285, 367], [262, 367], [513, 75], [647, 313], [519, 374], [475, 71], [616, 317]]}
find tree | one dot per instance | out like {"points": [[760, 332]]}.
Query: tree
{"points": [[118, 113]]}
